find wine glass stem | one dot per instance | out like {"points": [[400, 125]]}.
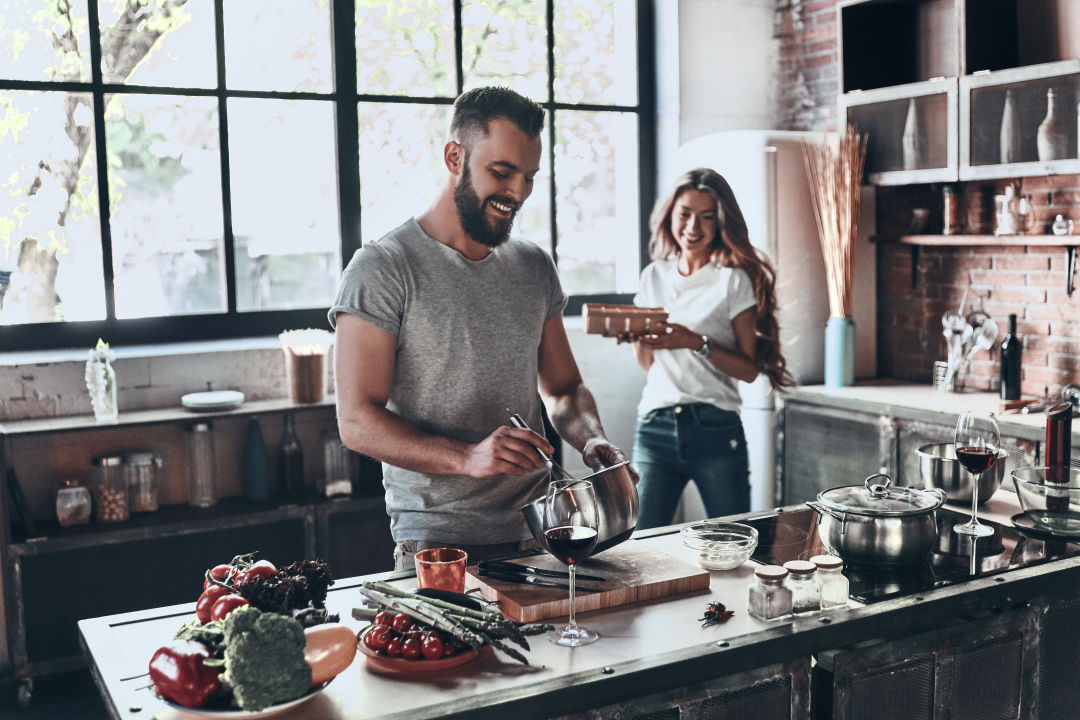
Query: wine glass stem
{"points": [[572, 626], [975, 498]]}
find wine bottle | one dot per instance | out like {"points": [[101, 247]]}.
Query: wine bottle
{"points": [[256, 468], [1011, 350], [291, 460]]}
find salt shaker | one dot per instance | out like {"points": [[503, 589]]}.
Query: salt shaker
{"points": [[805, 593], [831, 581], [769, 598], [201, 485]]}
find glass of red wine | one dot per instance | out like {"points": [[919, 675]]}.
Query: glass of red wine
{"points": [[570, 529], [977, 441]]}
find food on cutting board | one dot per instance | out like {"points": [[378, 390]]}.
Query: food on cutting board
{"points": [[421, 627], [261, 636]]}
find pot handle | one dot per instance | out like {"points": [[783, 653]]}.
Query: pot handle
{"points": [[821, 510], [939, 494]]}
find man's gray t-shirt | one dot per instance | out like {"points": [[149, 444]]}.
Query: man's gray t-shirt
{"points": [[468, 338]]}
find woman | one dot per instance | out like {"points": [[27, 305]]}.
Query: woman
{"points": [[721, 303]]}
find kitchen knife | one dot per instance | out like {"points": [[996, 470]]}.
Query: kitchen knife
{"points": [[527, 579], [509, 567]]}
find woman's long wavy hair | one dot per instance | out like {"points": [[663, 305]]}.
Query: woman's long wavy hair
{"points": [[731, 248]]}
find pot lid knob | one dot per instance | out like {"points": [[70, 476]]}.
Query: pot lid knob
{"points": [[875, 489]]}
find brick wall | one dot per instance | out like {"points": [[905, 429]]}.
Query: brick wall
{"points": [[1026, 280]]}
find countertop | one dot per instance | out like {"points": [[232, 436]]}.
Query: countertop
{"points": [[924, 402]]}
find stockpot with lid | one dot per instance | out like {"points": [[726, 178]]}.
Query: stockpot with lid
{"points": [[877, 523]]}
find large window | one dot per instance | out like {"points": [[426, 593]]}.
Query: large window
{"points": [[186, 169]]}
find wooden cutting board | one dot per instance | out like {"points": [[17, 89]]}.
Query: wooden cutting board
{"points": [[634, 573]]}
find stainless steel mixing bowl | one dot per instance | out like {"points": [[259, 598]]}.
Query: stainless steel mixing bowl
{"points": [[939, 468], [618, 500]]}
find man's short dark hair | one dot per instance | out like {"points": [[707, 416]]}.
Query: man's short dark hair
{"points": [[475, 108]]}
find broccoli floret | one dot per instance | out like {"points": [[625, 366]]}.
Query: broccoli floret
{"points": [[264, 658]]}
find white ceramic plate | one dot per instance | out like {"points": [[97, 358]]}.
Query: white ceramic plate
{"points": [[212, 400], [246, 714]]}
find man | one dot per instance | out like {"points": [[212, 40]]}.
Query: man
{"points": [[445, 326]]}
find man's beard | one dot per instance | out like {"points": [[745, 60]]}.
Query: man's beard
{"points": [[472, 212]]}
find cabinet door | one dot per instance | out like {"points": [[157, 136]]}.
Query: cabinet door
{"points": [[824, 448], [133, 576], [354, 537]]}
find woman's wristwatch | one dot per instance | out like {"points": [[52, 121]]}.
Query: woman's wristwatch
{"points": [[706, 347]]}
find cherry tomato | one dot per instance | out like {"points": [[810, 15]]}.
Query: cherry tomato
{"points": [[394, 648], [383, 618], [221, 573], [206, 602], [378, 637], [433, 647], [402, 623], [225, 605], [261, 569], [411, 648]]}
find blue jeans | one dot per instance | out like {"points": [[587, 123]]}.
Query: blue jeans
{"points": [[698, 442]]}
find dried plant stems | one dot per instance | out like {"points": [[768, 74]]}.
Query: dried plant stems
{"points": [[835, 184]]}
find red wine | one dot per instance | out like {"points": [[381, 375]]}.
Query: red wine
{"points": [[977, 460], [571, 543]]}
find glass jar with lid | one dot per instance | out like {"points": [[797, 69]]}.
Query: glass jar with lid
{"points": [[831, 581], [805, 593], [140, 471], [201, 484], [769, 598], [111, 502], [72, 502]]}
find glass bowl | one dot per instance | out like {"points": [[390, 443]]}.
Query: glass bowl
{"points": [[1053, 506], [717, 545]]}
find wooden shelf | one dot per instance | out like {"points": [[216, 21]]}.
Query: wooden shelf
{"points": [[977, 240], [156, 415]]}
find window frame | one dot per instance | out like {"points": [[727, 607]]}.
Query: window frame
{"points": [[234, 324]]}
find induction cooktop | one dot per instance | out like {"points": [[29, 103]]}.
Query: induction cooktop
{"points": [[793, 535]]}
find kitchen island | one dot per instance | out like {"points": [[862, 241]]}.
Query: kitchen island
{"points": [[941, 644]]}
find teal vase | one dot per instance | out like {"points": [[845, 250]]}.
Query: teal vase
{"points": [[839, 352], [256, 464]]}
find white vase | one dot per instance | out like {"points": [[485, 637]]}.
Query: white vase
{"points": [[1051, 136], [911, 141], [1010, 131]]}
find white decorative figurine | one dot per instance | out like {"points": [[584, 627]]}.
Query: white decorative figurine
{"points": [[101, 382]]}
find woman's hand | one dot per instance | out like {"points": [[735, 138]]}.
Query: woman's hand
{"points": [[672, 336]]}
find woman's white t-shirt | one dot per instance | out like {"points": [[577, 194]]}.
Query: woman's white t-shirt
{"points": [[705, 302]]}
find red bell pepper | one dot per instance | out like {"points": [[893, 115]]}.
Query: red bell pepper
{"points": [[178, 673]]}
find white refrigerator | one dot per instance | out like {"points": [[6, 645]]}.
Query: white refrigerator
{"points": [[766, 170]]}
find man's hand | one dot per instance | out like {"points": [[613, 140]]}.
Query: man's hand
{"points": [[600, 453], [507, 451]]}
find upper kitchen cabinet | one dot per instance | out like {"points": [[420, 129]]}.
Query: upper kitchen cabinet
{"points": [[900, 61], [962, 89]]}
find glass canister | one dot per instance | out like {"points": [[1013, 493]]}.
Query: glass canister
{"points": [[72, 502], [831, 581], [769, 597], [201, 485], [805, 593], [110, 489], [140, 472], [337, 473]]}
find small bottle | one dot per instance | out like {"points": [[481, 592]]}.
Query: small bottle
{"points": [[831, 581], [952, 214], [291, 460], [805, 593], [255, 464], [201, 485], [1011, 349], [769, 598]]}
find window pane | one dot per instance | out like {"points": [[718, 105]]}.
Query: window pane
{"points": [[596, 208], [279, 45], [504, 44], [284, 203], [48, 191], [182, 55], [405, 48], [401, 162], [595, 52], [165, 205], [39, 43]]}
